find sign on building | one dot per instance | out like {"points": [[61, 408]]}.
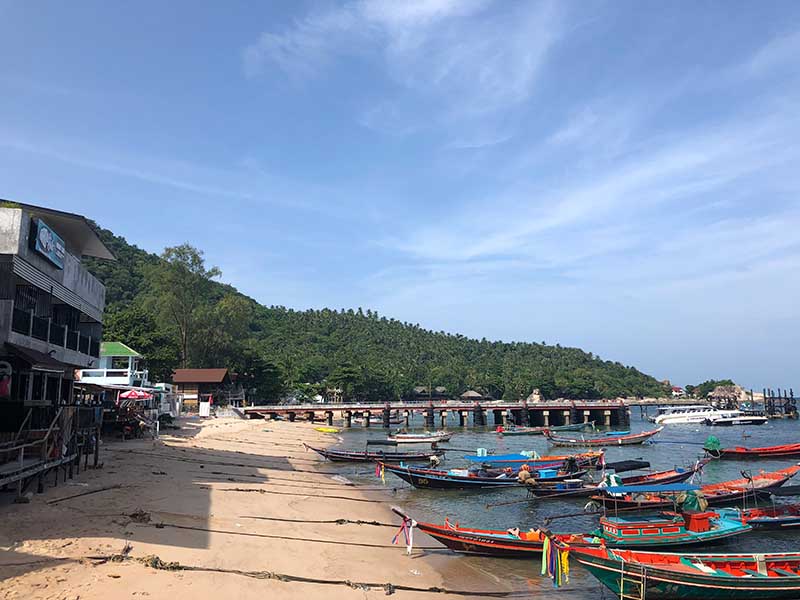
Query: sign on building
{"points": [[47, 243]]}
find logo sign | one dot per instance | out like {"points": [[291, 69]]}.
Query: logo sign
{"points": [[48, 243]]}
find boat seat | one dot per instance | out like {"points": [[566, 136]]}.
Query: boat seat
{"points": [[754, 573], [701, 566], [786, 573]]}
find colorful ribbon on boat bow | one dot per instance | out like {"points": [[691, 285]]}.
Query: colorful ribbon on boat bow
{"points": [[555, 562], [407, 529]]}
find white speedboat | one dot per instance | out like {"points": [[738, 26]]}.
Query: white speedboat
{"points": [[417, 438], [672, 415], [744, 418]]}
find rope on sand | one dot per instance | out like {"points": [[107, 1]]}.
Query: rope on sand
{"points": [[285, 537], [97, 491], [262, 491], [155, 562], [323, 522]]}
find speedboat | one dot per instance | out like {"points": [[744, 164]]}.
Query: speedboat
{"points": [[672, 415]]}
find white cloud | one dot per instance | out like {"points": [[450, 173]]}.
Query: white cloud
{"points": [[448, 57], [780, 51]]}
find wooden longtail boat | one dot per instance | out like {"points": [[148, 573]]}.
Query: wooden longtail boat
{"points": [[421, 438], [602, 441], [649, 531], [717, 494], [778, 516], [766, 452], [540, 430], [662, 576], [546, 489], [515, 461], [356, 456], [459, 479]]}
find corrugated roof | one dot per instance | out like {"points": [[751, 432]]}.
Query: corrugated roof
{"points": [[199, 375], [116, 349]]}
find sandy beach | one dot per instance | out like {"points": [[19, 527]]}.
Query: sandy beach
{"points": [[236, 505]]}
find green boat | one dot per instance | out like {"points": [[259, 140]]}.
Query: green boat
{"points": [[663, 576], [540, 430]]}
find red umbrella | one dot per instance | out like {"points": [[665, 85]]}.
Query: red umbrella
{"points": [[136, 395]]}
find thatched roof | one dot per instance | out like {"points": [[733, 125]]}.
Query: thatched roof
{"points": [[471, 394]]}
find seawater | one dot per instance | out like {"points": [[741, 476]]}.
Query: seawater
{"points": [[676, 445]]}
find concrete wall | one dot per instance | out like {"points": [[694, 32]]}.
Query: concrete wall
{"points": [[14, 233], [9, 230]]}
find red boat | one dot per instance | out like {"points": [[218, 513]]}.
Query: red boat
{"points": [[742, 453], [778, 516], [716, 494]]}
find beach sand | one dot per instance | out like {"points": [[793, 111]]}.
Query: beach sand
{"points": [[199, 493]]}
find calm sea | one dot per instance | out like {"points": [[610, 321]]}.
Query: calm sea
{"points": [[677, 445]]}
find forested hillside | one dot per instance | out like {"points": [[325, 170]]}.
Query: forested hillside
{"points": [[173, 310]]}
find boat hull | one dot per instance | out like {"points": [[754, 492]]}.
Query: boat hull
{"points": [[625, 579], [604, 441], [348, 456]]}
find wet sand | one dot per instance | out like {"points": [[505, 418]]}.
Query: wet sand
{"points": [[205, 497]]}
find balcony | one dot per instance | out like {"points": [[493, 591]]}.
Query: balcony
{"points": [[115, 377], [26, 323]]}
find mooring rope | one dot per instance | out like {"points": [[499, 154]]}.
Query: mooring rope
{"points": [[154, 562], [322, 522], [283, 537], [261, 491]]}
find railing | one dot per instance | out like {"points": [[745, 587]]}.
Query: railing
{"points": [[72, 340], [26, 323], [40, 328], [21, 321], [57, 334]]}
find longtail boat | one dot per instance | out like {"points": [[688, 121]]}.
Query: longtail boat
{"points": [[602, 441], [459, 479], [716, 494], [663, 576], [777, 516], [421, 438], [356, 456], [578, 489], [665, 529], [515, 461], [712, 448], [540, 430]]}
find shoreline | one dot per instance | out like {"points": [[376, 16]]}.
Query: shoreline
{"points": [[229, 501]]}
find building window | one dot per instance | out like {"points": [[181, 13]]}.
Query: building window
{"points": [[38, 391], [51, 391]]}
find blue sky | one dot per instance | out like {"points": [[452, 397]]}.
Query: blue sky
{"points": [[618, 176]]}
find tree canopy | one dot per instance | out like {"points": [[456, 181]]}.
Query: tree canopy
{"points": [[172, 310]]}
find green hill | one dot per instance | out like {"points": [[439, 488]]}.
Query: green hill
{"points": [[367, 355]]}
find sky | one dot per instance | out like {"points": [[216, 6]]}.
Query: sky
{"points": [[618, 176]]}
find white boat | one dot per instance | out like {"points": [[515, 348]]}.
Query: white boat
{"points": [[742, 419], [420, 438], [671, 415]]}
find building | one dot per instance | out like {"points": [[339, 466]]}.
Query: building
{"points": [[195, 385], [51, 307], [119, 365], [51, 315], [678, 392]]}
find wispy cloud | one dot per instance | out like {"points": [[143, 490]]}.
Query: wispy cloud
{"points": [[780, 51], [448, 58]]}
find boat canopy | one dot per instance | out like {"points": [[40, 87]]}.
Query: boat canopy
{"points": [[668, 488]]}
